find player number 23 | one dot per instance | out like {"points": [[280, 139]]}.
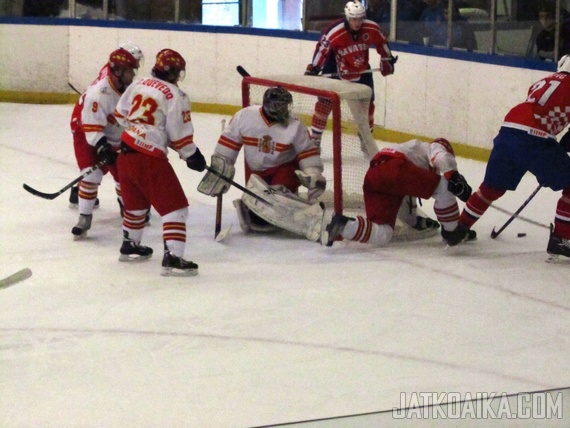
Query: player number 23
{"points": [[149, 106]]}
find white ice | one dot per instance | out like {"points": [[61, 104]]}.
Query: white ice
{"points": [[275, 328]]}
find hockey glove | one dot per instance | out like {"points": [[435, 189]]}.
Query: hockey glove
{"points": [[314, 181], [388, 65], [196, 161], [458, 186], [565, 141], [105, 151], [312, 70], [212, 184]]}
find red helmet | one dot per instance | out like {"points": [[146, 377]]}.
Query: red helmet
{"points": [[168, 60], [122, 58]]}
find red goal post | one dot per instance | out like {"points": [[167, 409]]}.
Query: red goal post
{"points": [[347, 144]]}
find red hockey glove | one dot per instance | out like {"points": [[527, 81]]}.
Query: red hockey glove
{"points": [[388, 65]]}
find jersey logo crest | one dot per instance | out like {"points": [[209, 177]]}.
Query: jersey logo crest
{"points": [[266, 144]]}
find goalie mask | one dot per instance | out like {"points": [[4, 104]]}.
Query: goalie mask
{"points": [[277, 104]]}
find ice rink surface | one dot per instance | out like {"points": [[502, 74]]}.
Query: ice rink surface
{"points": [[275, 328]]}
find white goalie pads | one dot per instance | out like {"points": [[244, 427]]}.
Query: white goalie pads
{"points": [[213, 185], [285, 209]]}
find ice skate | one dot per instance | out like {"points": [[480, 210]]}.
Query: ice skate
{"points": [[423, 223], [459, 234], [557, 247], [176, 266], [133, 252], [334, 229], [79, 231]]}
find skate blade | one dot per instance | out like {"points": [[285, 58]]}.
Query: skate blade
{"points": [[168, 271], [79, 236], [133, 258], [555, 258]]}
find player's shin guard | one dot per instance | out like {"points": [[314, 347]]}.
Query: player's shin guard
{"points": [[323, 108], [478, 203], [562, 217], [174, 231], [363, 230]]}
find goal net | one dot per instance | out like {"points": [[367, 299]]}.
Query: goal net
{"points": [[347, 144]]}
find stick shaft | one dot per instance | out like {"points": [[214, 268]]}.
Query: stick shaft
{"points": [[494, 233]]}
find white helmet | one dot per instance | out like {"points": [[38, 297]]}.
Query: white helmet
{"points": [[134, 50], [564, 64], [354, 9]]}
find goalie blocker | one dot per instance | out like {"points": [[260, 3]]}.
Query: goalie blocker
{"points": [[214, 185]]}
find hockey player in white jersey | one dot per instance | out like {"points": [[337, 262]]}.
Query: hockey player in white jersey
{"points": [[416, 168], [76, 115], [96, 133], [157, 116], [279, 158]]}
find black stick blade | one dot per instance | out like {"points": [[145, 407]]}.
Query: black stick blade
{"points": [[41, 194], [494, 234], [242, 71]]}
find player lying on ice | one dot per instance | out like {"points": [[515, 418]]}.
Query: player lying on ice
{"points": [[279, 158], [416, 168]]}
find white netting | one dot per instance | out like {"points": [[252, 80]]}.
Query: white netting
{"points": [[344, 172]]}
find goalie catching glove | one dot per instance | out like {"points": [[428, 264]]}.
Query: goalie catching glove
{"points": [[314, 181], [212, 184]]}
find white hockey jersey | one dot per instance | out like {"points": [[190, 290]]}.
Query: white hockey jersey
{"points": [[267, 144], [157, 115], [436, 155], [97, 115]]}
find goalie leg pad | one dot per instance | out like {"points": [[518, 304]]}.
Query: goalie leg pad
{"points": [[285, 209]]}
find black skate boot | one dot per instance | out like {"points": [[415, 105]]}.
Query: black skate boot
{"points": [[133, 252], [423, 223], [176, 266], [335, 228], [79, 231], [557, 247], [457, 235]]}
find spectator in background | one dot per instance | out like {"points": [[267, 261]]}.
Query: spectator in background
{"points": [[435, 20], [545, 39], [408, 14]]}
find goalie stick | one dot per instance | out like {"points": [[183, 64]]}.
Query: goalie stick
{"points": [[239, 186], [220, 234], [69, 185], [15, 278]]}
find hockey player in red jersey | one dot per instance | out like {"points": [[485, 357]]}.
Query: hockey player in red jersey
{"points": [[421, 169], [76, 114], [527, 142], [278, 154], [157, 116], [96, 133], [343, 49]]}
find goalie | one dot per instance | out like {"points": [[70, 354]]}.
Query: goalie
{"points": [[279, 158]]}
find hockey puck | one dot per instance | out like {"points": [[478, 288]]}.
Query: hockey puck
{"points": [[521, 235]]}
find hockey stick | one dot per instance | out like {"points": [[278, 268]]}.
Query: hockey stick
{"points": [[521, 218], [74, 88], [219, 203], [494, 233], [15, 278], [56, 194], [239, 186], [242, 71]]}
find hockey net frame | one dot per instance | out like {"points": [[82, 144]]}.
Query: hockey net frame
{"points": [[347, 144]]}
